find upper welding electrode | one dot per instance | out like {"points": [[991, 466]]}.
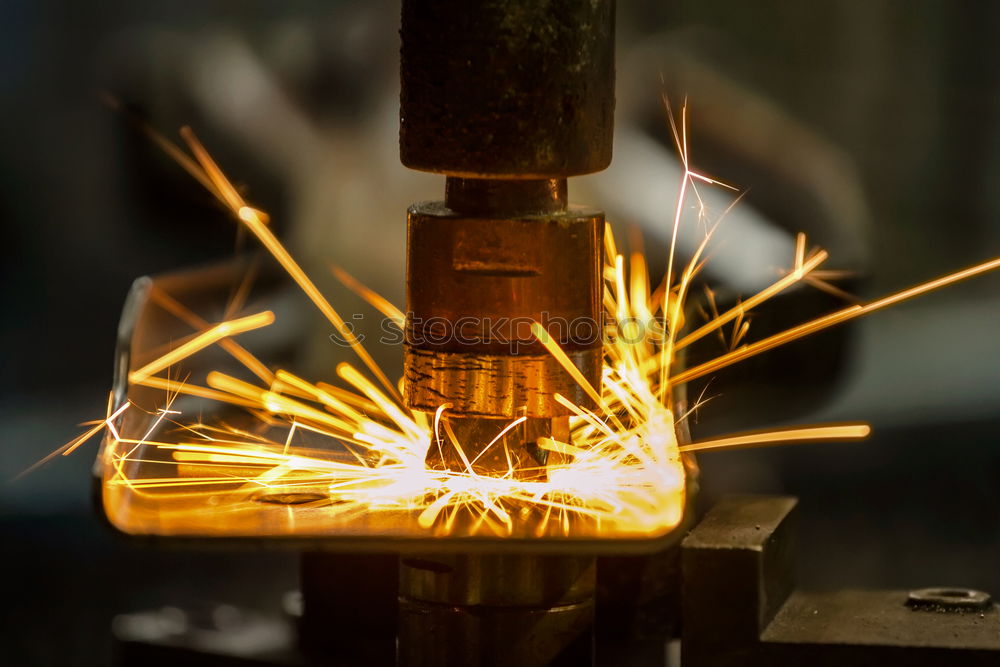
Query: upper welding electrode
{"points": [[507, 98]]}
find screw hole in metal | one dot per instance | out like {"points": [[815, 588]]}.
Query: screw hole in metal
{"points": [[949, 599], [293, 498]]}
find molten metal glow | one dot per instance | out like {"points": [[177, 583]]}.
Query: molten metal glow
{"points": [[318, 459]]}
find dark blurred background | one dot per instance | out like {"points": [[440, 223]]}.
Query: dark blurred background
{"points": [[874, 126]]}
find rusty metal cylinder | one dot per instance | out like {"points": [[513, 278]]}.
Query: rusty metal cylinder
{"points": [[507, 88]]}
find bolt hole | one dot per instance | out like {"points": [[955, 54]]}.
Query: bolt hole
{"points": [[292, 498], [949, 599], [955, 593]]}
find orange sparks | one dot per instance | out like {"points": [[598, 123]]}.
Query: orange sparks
{"points": [[200, 342], [827, 321], [352, 456], [793, 435]]}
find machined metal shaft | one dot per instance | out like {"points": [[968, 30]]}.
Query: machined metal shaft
{"points": [[507, 98], [493, 258]]}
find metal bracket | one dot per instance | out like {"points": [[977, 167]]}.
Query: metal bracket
{"points": [[740, 605]]}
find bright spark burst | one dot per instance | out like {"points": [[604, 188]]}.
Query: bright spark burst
{"points": [[621, 473]]}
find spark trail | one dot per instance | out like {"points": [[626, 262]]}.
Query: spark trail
{"points": [[351, 455]]}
